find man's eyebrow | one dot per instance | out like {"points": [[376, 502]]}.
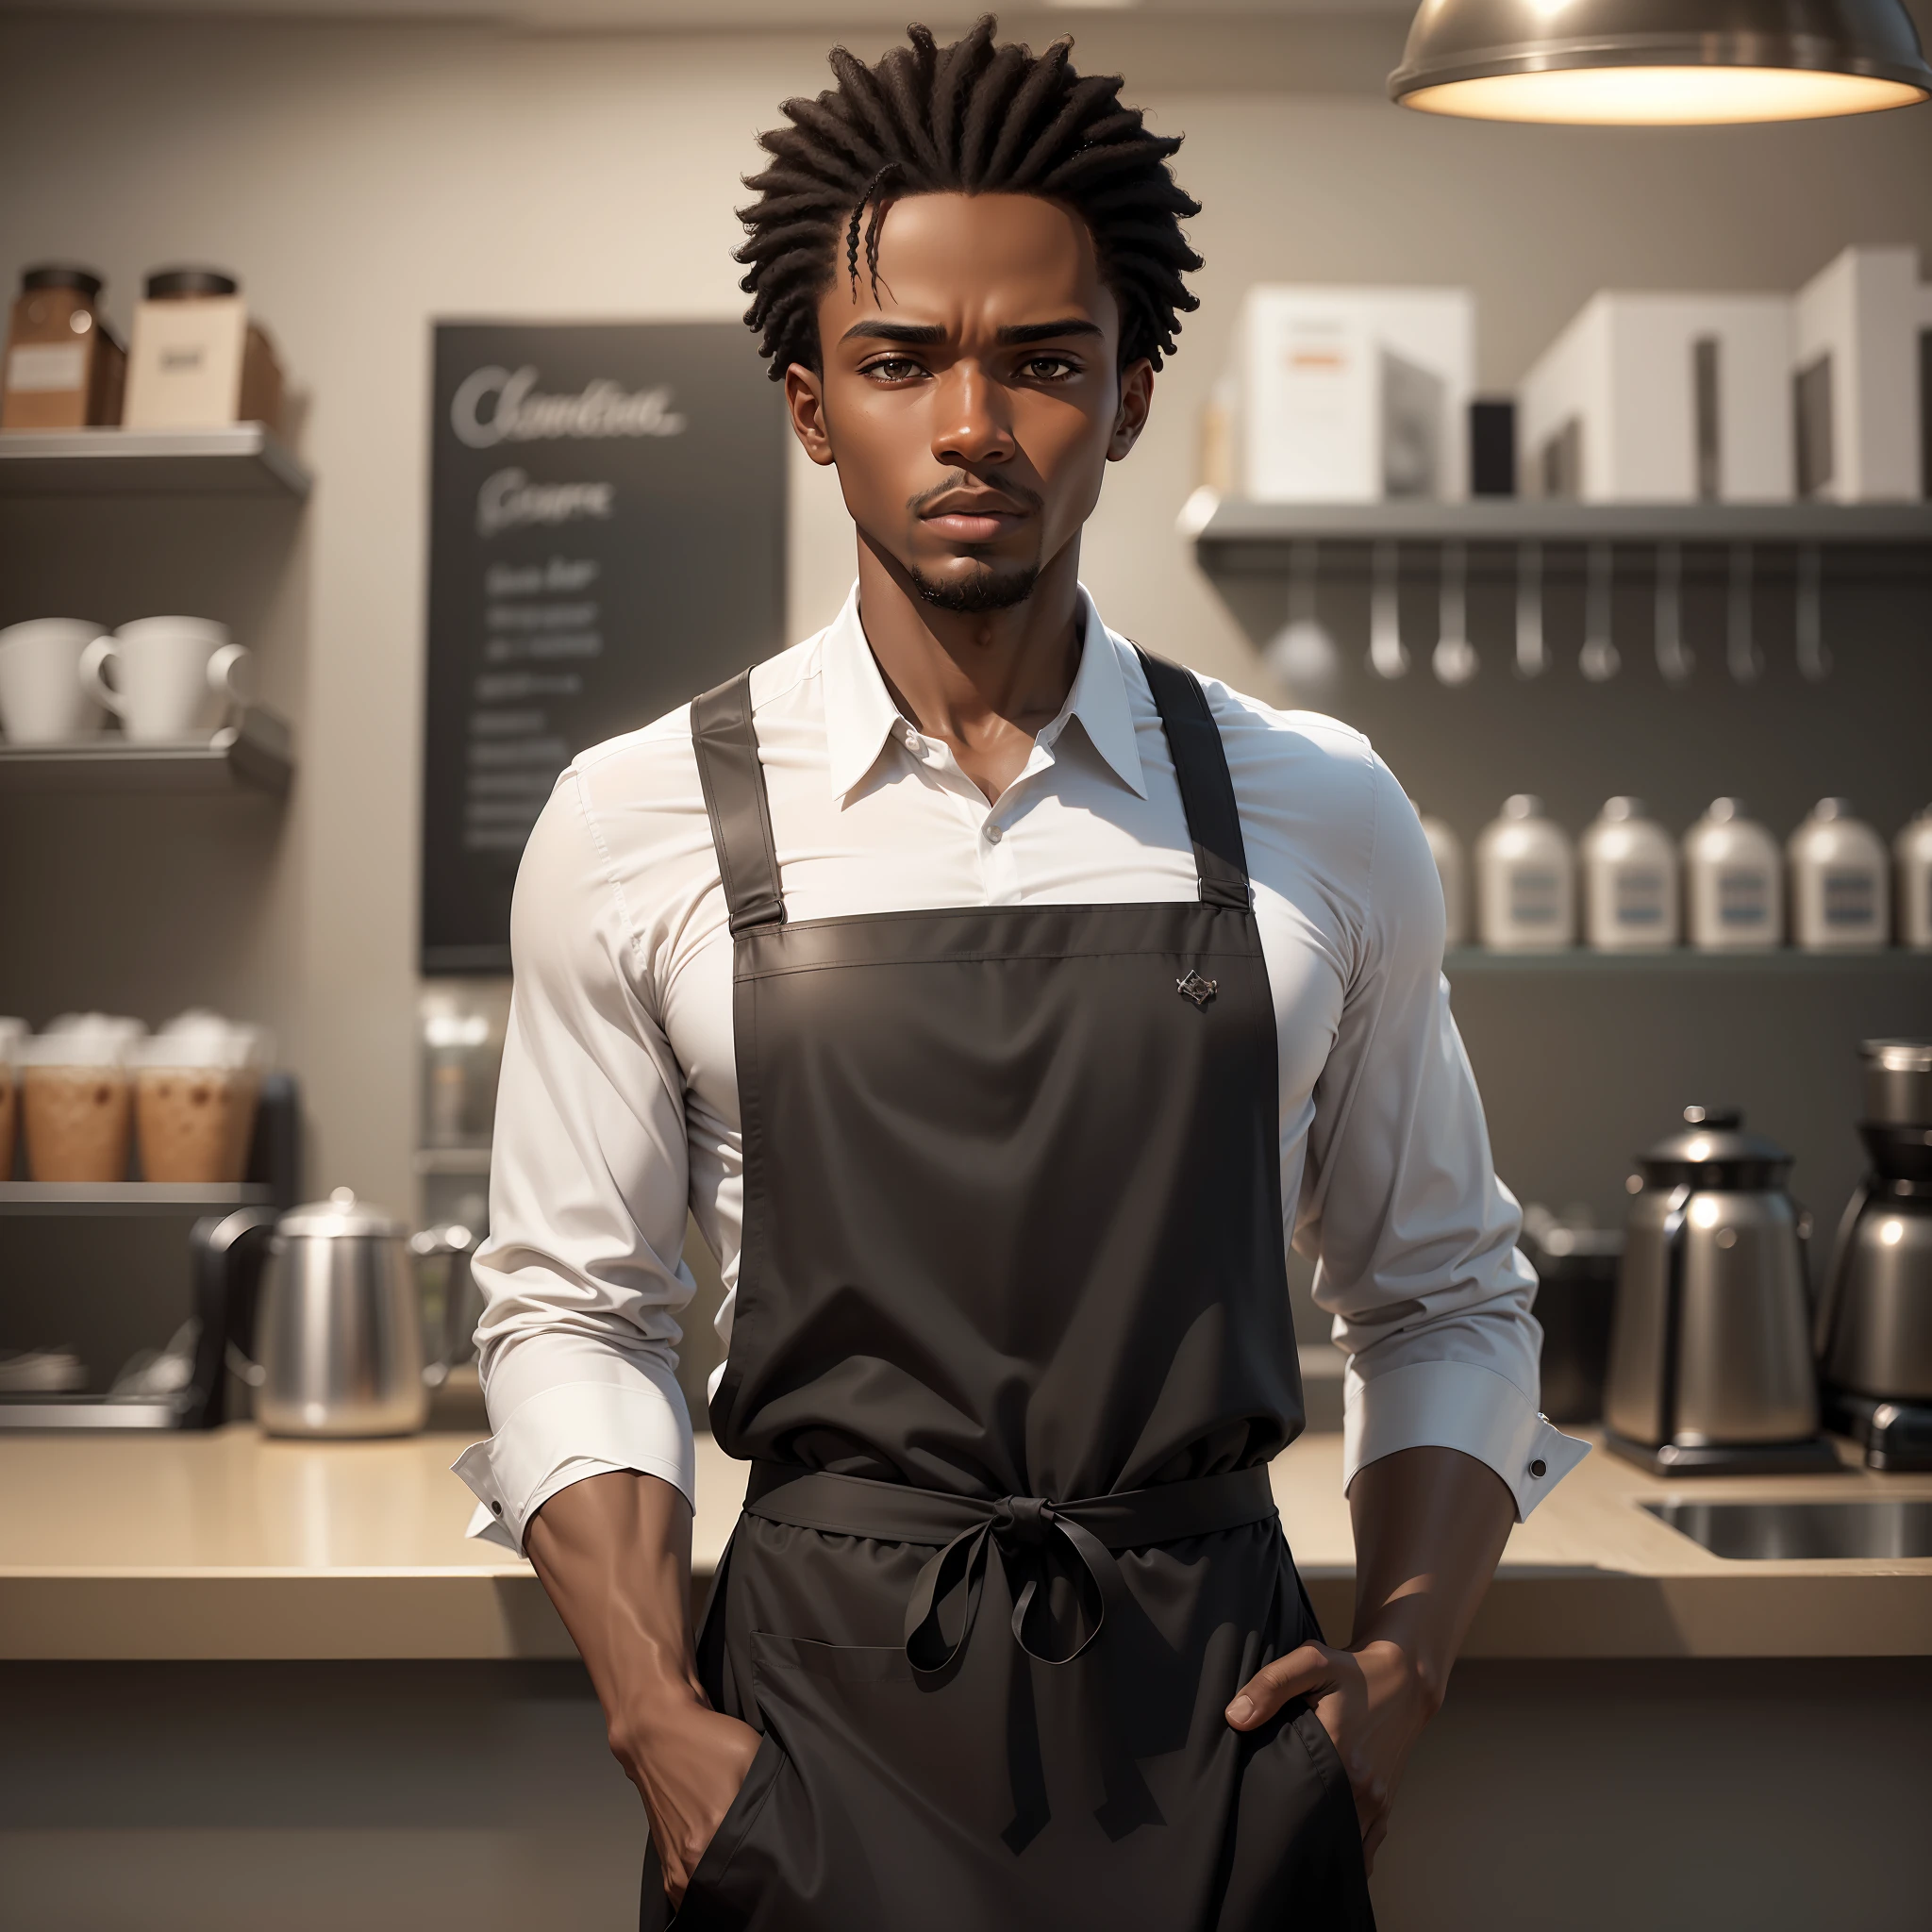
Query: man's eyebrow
{"points": [[896, 331], [1049, 331], [928, 332]]}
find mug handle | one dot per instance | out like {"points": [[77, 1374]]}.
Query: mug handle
{"points": [[94, 660], [223, 668]]}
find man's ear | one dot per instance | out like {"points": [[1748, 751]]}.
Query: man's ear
{"points": [[805, 401], [1137, 399]]}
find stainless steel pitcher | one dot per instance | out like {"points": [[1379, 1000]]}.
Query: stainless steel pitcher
{"points": [[1875, 1319], [1711, 1348], [338, 1331]]}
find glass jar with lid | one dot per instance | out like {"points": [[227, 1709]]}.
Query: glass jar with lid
{"points": [[65, 368]]}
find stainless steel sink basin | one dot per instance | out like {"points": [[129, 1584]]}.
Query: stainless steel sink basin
{"points": [[1800, 1532]]}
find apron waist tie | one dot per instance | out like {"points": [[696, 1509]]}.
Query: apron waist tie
{"points": [[1079, 1537]]}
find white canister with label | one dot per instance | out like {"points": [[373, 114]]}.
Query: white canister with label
{"points": [[1912, 851], [1525, 881], [1630, 895], [1445, 848], [1733, 882], [1841, 881]]}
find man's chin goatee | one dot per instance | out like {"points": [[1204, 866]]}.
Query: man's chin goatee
{"points": [[985, 589]]}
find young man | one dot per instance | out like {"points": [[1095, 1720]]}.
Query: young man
{"points": [[993, 993]]}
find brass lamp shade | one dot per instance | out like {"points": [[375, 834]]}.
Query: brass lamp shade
{"points": [[1661, 62]]}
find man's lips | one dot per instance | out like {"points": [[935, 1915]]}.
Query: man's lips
{"points": [[974, 520]]}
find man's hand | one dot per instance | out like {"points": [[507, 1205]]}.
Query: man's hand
{"points": [[689, 1762], [1429, 1529], [1373, 1703]]}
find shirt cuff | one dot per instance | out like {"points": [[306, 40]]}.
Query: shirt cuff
{"points": [[564, 1434], [1456, 1405]]}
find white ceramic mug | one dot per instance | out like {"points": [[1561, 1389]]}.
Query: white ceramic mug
{"points": [[173, 676], [42, 699]]}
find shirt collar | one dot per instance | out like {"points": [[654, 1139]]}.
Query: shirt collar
{"points": [[861, 715]]}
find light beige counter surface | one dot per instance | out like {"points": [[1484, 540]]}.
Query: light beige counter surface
{"points": [[228, 1545]]}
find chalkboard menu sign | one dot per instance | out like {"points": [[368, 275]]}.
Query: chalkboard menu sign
{"points": [[606, 539]]}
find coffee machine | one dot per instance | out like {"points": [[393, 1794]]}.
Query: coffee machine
{"points": [[1874, 1328], [1710, 1347]]}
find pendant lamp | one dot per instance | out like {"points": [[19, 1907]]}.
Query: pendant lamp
{"points": [[1661, 62]]}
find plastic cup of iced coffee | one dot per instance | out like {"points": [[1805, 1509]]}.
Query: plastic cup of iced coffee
{"points": [[196, 1086], [11, 1033], [76, 1106]]}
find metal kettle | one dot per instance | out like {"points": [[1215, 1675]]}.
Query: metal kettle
{"points": [[338, 1322], [1710, 1345], [1875, 1318]]}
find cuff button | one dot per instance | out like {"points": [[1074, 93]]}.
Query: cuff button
{"points": [[1539, 1467], [497, 1508]]}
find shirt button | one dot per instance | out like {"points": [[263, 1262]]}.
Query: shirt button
{"points": [[994, 835], [497, 1508], [1539, 1467], [911, 739]]}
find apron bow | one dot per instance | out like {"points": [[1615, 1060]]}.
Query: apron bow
{"points": [[1030, 1534]]}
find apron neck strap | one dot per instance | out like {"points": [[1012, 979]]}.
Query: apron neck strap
{"points": [[727, 744], [1200, 769]]}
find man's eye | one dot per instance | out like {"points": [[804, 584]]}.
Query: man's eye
{"points": [[892, 367], [1049, 368]]}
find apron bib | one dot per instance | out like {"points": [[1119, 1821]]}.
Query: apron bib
{"points": [[1012, 1351]]}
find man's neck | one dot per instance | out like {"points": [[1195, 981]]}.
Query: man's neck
{"points": [[982, 682]]}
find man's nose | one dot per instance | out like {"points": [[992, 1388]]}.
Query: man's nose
{"points": [[970, 423]]}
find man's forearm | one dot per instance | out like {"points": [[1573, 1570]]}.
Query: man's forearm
{"points": [[614, 1553], [1429, 1529]]}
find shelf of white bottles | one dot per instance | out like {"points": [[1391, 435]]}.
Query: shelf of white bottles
{"points": [[1533, 539]]}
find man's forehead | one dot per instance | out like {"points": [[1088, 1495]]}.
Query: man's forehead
{"points": [[988, 260]]}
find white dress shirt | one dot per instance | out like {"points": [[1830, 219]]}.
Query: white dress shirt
{"points": [[618, 1106]]}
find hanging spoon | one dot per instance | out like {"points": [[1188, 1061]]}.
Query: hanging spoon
{"points": [[1741, 647], [1455, 659], [1302, 653], [1388, 656], [1599, 659], [1532, 653], [1674, 658], [1814, 660]]}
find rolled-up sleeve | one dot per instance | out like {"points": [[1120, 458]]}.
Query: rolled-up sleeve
{"points": [[1415, 1236], [582, 1274]]}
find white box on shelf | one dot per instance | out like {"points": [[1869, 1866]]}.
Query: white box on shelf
{"points": [[1855, 378], [1662, 398], [1353, 395]]}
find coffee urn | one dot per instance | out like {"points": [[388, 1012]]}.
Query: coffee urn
{"points": [[1710, 1347], [1875, 1318]]}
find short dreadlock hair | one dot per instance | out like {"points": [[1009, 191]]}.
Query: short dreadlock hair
{"points": [[976, 119]]}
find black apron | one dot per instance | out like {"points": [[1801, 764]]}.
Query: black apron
{"points": [[1012, 1351]]}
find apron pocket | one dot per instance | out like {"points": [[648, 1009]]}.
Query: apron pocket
{"points": [[704, 1895], [894, 1795], [1348, 1820]]}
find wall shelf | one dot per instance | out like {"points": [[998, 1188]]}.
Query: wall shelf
{"points": [[89, 1198], [1686, 962], [1254, 537], [254, 754], [242, 460]]}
